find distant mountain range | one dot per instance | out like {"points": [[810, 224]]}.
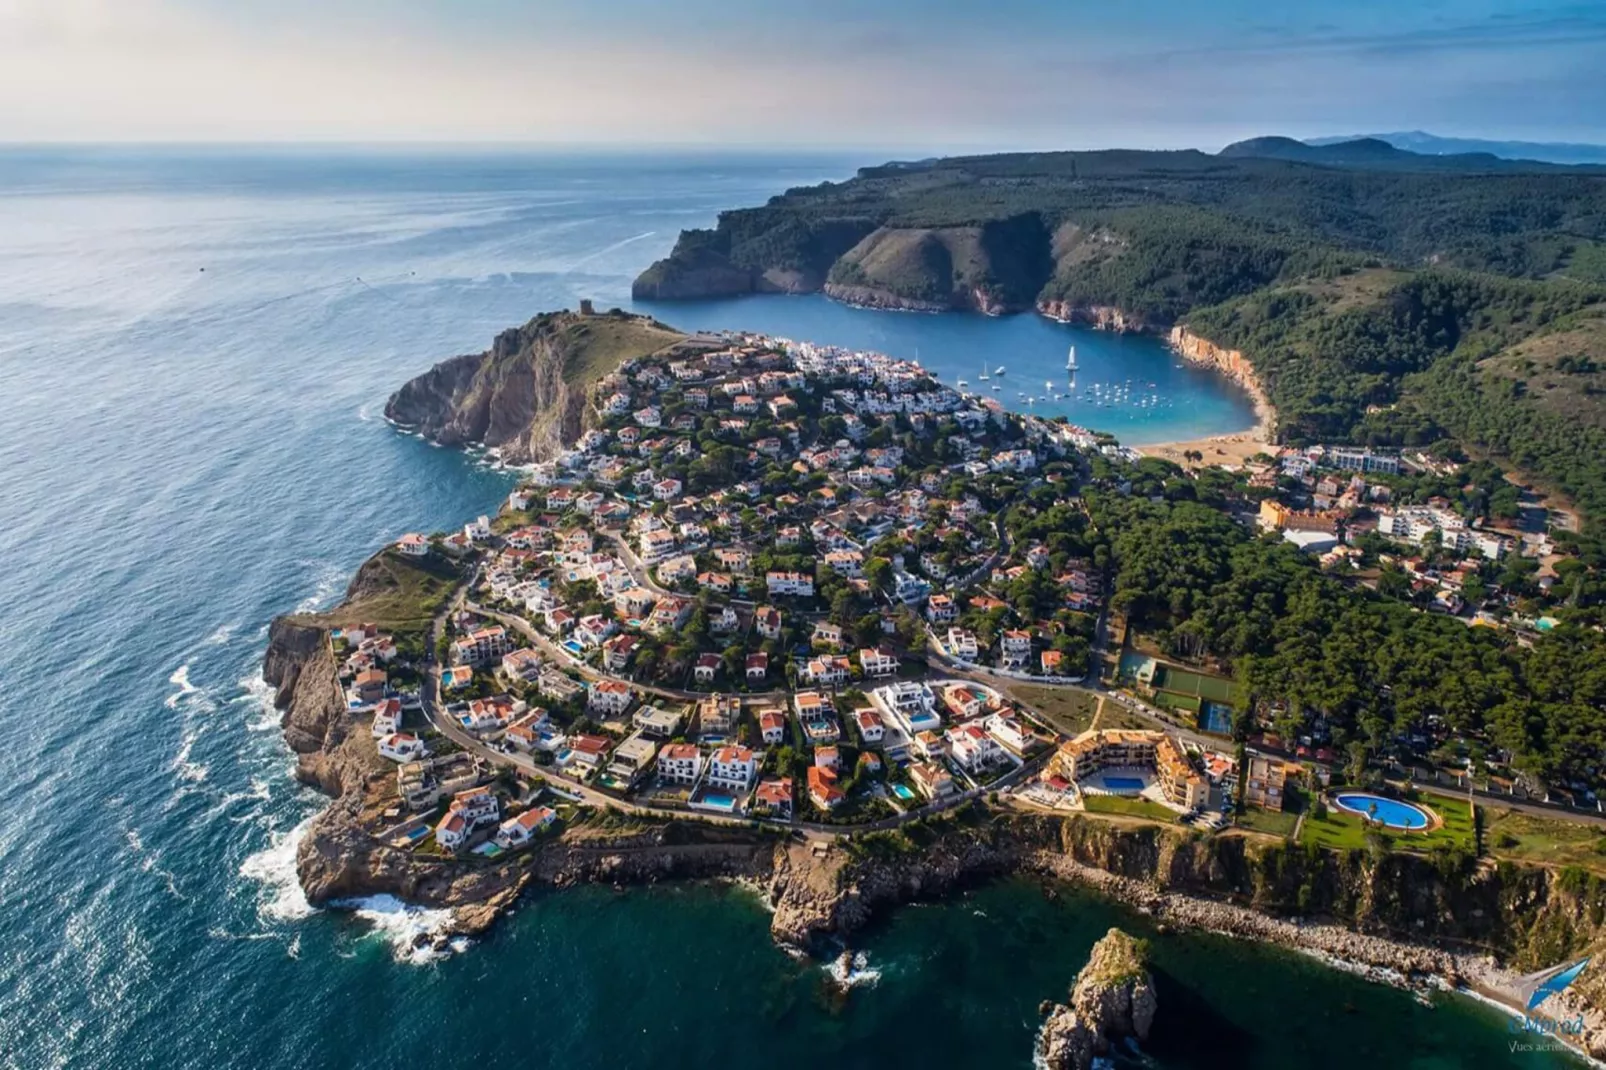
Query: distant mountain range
{"points": [[1377, 154], [1433, 145]]}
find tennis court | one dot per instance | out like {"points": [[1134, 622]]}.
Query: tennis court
{"points": [[1185, 682]]}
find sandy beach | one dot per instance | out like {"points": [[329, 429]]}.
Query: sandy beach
{"points": [[1230, 450]]}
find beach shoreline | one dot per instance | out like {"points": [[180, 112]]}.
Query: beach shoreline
{"points": [[1233, 449]]}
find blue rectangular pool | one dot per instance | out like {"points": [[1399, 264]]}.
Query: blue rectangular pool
{"points": [[902, 791], [1123, 783]]}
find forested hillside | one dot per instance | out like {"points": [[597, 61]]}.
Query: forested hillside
{"points": [[1381, 296]]}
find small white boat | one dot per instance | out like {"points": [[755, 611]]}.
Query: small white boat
{"points": [[963, 383], [998, 370], [996, 388], [1070, 361]]}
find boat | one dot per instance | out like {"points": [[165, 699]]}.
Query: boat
{"points": [[998, 370], [1048, 384], [1070, 361], [963, 382], [996, 388]]}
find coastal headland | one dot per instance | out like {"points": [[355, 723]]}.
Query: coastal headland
{"points": [[366, 687]]}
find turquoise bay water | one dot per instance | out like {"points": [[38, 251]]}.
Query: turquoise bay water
{"points": [[186, 453], [1183, 401]]}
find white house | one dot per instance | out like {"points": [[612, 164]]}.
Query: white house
{"points": [[402, 747], [387, 718], [707, 668], [1008, 730], [518, 831], [972, 747], [1016, 647], [608, 696], [962, 644], [468, 811], [871, 728], [413, 545], [772, 726], [797, 584], [732, 768], [680, 763], [877, 662]]}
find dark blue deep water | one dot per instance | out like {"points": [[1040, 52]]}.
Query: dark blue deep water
{"points": [[185, 453]]}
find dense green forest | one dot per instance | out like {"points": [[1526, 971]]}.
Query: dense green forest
{"points": [[1315, 654], [1378, 294]]}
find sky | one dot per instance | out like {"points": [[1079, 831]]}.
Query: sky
{"points": [[891, 74]]}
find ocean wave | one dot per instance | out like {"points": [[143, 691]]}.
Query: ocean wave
{"points": [[851, 970], [221, 635], [192, 771], [415, 933], [274, 868], [181, 679], [151, 862], [325, 585], [260, 693]]}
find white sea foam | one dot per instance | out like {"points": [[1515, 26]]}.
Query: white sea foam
{"points": [[324, 587], [192, 771], [259, 693], [180, 678], [274, 868], [412, 931], [852, 971], [222, 635]]}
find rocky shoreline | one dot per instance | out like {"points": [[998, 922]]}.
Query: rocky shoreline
{"points": [[819, 893], [1231, 363]]}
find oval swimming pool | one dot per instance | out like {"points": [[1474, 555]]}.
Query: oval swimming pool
{"points": [[1392, 813]]}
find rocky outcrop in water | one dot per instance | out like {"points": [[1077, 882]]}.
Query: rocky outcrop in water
{"points": [[1113, 999]]}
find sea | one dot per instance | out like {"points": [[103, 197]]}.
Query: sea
{"points": [[195, 351]]}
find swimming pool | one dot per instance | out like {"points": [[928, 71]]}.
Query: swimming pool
{"points": [[1123, 783], [902, 791], [573, 647], [717, 801], [1391, 813]]}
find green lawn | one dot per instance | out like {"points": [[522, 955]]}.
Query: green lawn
{"points": [[1548, 841], [1343, 831], [1188, 682], [1273, 823], [1170, 700], [1120, 804], [399, 594]]}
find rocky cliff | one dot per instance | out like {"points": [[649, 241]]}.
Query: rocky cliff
{"points": [[1230, 363], [527, 395], [1113, 999], [1099, 317]]}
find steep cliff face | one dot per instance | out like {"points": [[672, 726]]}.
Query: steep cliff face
{"points": [[527, 395], [1099, 317], [1230, 363]]}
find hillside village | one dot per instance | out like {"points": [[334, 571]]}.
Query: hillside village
{"points": [[772, 582]]}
